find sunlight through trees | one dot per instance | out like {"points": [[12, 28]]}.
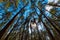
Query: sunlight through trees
{"points": [[29, 19]]}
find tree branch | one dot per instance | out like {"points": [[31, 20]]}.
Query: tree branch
{"points": [[55, 5]]}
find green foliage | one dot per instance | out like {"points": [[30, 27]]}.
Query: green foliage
{"points": [[53, 11]]}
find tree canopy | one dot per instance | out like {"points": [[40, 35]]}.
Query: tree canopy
{"points": [[29, 19]]}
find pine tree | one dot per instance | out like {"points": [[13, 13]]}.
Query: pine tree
{"points": [[30, 20]]}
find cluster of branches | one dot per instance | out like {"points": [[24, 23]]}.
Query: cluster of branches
{"points": [[3, 31]]}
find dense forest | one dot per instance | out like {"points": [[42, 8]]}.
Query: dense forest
{"points": [[29, 19]]}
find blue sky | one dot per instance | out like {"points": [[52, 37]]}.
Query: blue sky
{"points": [[26, 13]]}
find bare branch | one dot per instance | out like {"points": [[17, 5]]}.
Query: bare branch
{"points": [[55, 5]]}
